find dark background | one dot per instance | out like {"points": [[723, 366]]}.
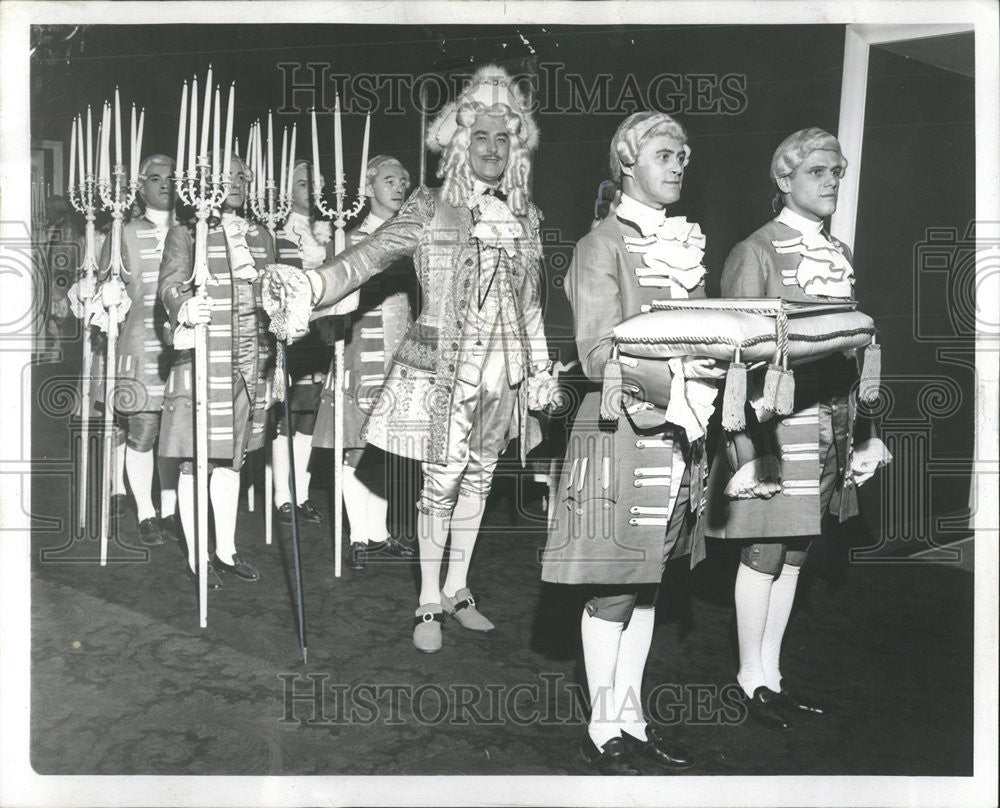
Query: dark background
{"points": [[917, 171]]}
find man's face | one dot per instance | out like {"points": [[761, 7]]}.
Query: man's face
{"points": [[489, 148], [812, 189], [157, 189], [301, 192], [658, 172], [238, 185], [387, 190]]}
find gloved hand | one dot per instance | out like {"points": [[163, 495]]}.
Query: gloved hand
{"points": [[760, 478], [79, 294], [867, 458], [195, 311], [542, 387], [702, 367], [287, 301]]}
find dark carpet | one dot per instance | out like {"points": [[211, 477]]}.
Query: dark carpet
{"points": [[124, 681]]}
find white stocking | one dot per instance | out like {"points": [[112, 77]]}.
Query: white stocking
{"points": [[637, 636], [366, 510], [224, 490], [432, 534], [782, 596], [601, 642], [119, 486], [302, 446], [465, 522], [753, 594], [279, 469], [139, 466]]}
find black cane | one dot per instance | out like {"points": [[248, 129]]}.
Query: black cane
{"points": [[295, 500]]}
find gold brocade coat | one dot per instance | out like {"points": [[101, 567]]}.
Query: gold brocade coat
{"points": [[411, 415]]}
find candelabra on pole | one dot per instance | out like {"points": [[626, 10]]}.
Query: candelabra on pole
{"points": [[340, 213]]}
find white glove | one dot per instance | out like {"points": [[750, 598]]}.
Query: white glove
{"points": [[194, 311], [59, 308], [702, 367], [758, 479], [110, 295], [866, 458], [287, 301], [79, 293], [542, 387]]}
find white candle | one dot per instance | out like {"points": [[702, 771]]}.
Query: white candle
{"points": [[251, 163], [206, 118], [138, 143], [364, 156], [315, 165], [338, 143], [228, 158], [118, 130], [181, 131], [283, 182], [90, 142], [291, 159], [106, 144], [72, 156], [270, 149], [193, 134], [81, 147], [216, 126], [133, 165]]}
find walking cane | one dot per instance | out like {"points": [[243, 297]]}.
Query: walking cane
{"points": [[340, 216], [271, 203]]}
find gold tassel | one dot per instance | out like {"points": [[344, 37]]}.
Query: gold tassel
{"points": [[611, 391], [779, 390], [871, 372], [734, 400]]}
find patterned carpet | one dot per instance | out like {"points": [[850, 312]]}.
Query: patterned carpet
{"points": [[124, 681]]}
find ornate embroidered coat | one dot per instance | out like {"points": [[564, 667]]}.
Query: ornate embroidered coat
{"points": [[143, 351], [813, 444], [374, 332], [240, 348], [410, 414], [611, 522]]}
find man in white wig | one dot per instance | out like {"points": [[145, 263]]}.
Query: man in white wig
{"points": [[465, 374], [630, 494], [374, 332], [143, 353], [301, 240], [807, 465]]}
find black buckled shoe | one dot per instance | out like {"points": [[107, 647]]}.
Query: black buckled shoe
{"points": [[170, 529], [240, 568], [149, 532], [765, 709], [793, 701], [285, 514], [357, 556], [658, 749], [611, 759], [214, 581], [307, 513]]}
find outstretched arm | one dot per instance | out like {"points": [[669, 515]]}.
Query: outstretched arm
{"points": [[396, 239]]}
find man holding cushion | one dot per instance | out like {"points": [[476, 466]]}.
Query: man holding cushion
{"points": [[780, 482], [629, 497]]}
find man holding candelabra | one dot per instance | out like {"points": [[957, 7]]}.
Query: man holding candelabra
{"points": [[241, 364], [374, 332], [476, 359], [144, 354]]}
